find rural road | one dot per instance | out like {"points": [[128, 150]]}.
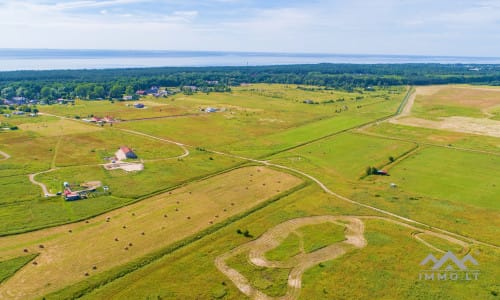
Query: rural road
{"points": [[319, 183], [299, 263], [44, 188]]}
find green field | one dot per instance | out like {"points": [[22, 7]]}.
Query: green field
{"points": [[258, 162], [11, 266]]}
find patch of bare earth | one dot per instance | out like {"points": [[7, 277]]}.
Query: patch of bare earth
{"points": [[457, 124], [354, 234]]}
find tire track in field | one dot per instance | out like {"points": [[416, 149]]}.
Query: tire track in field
{"points": [[5, 155], [354, 234]]}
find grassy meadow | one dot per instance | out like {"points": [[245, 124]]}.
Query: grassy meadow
{"points": [[174, 222]]}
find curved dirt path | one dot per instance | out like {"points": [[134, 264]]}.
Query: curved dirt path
{"points": [[40, 184], [354, 234], [299, 263], [5, 155]]}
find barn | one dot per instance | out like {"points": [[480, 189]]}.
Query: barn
{"points": [[125, 152]]}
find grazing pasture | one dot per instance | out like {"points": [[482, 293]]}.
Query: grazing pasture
{"points": [[273, 192], [136, 230]]}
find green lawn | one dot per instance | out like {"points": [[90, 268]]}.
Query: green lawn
{"points": [[321, 235], [10, 267]]}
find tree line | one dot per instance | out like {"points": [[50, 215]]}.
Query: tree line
{"points": [[113, 83]]}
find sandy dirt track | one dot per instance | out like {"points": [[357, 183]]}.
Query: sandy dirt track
{"points": [[67, 252], [480, 126], [354, 239]]}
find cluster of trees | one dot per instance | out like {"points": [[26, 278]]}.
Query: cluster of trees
{"points": [[113, 83]]}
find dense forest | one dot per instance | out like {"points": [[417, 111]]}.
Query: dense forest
{"points": [[114, 83]]}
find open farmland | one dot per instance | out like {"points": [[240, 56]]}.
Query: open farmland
{"points": [[130, 232], [272, 195]]}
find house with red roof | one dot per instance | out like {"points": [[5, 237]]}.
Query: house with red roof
{"points": [[125, 152]]}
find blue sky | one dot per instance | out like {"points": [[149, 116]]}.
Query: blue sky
{"points": [[422, 27]]}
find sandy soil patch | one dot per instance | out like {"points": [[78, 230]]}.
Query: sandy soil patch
{"points": [[457, 124], [354, 233], [483, 98], [126, 166]]}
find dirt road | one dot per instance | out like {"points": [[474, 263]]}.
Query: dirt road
{"points": [[354, 239]]}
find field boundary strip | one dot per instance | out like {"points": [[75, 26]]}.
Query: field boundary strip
{"points": [[77, 291]]}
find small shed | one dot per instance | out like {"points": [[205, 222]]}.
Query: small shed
{"points": [[125, 152], [382, 172]]}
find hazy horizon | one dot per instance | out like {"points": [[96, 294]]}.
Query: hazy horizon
{"points": [[378, 27]]}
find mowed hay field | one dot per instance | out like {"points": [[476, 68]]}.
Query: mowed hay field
{"points": [[262, 119], [135, 230], [445, 180], [123, 110], [387, 267], [456, 108], [451, 189]]}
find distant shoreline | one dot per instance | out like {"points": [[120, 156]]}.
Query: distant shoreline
{"points": [[58, 59]]}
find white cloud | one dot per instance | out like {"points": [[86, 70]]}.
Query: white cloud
{"points": [[355, 26]]}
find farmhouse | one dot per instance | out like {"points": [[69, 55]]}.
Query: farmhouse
{"points": [[71, 196], [125, 152], [382, 172]]}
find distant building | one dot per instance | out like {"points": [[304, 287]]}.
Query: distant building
{"points": [[210, 109], [152, 91], [140, 93], [381, 172], [192, 88], [127, 97], [71, 196], [65, 101], [19, 100], [125, 152]]}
